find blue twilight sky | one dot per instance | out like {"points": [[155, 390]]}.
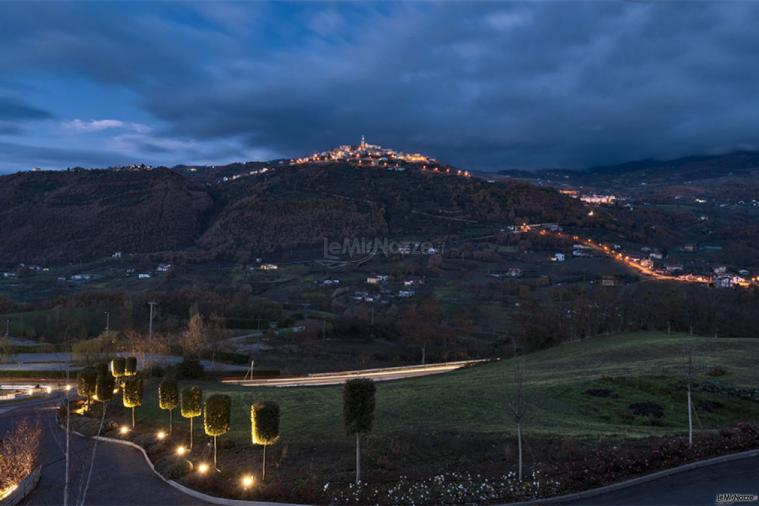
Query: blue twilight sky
{"points": [[481, 85]]}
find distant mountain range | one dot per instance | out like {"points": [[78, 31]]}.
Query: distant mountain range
{"points": [[685, 170]]}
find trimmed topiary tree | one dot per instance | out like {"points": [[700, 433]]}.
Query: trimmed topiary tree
{"points": [[101, 368], [358, 412], [117, 367], [132, 396], [264, 427], [86, 380], [104, 386], [168, 397], [130, 366], [216, 414], [191, 405]]}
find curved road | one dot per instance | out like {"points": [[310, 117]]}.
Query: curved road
{"points": [[120, 477], [689, 488]]}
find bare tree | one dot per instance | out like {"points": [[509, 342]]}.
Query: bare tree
{"points": [[517, 406], [690, 374]]}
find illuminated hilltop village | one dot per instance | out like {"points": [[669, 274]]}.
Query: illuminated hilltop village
{"points": [[372, 155]]}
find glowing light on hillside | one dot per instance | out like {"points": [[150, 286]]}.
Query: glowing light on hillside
{"points": [[202, 468], [161, 435], [181, 450], [123, 430]]}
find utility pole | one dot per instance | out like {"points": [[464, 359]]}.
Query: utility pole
{"points": [[68, 438], [150, 326], [107, 321]]}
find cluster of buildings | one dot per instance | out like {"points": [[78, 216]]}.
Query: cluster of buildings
{"points": [[373, 155], [591, 198]]}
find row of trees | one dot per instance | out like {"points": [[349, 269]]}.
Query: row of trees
{"points": [[96, 384]]}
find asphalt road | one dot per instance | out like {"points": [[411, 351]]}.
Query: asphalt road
{"points": [[120, 476], [338, 378], [690, 488]]}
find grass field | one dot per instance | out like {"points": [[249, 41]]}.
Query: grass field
{"points": [[634, 368]]}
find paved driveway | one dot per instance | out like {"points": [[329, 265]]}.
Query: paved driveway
{"points": [[121, 475], [689, 488]]}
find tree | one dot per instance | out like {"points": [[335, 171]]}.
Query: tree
{"points": [[132, 396], [168, 397], [216, 416], [358, 412], [130, 366], [191, 405], [195, 338], [118, 365], [264, 427], [85, 383], [518, 407], [104, 386]]}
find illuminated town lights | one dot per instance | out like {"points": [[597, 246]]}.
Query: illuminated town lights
{"points": [[202, 468], [123, 430], [161, 435], [49, 389], [181, 450]]}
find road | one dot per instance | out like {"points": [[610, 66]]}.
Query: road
{"points": [[120, 477], [337, 378], [690, 488]]}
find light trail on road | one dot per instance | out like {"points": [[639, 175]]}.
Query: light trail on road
{"points": [[337, 378]]}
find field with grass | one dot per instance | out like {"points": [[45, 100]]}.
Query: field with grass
{"points": [[629, 385]]}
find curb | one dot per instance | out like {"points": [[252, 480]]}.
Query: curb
{"points": [[637, 481], [24, 488], [212, 499]]}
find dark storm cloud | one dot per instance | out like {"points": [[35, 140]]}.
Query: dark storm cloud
{"points": [[483, 85], [15, 110]]}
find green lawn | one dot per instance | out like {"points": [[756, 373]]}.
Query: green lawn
{"points": [[634, 368]]}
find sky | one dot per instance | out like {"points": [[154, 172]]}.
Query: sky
{"points": [[484, 86]]}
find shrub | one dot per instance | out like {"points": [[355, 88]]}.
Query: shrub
{"points": [[358, 412], [130, 366], [716, 372], [190, 368], [264, 421], [264, 427], [101, 368], [104, 386], [216, 418], [132, 395], [173, 467], [117, 367], [191, 405], [358, 405], [216, 415], [86, 381], [168, 397]]}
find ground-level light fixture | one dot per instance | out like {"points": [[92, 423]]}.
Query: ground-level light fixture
{"points": [[123, 429], [181, 450], [202, 468], [161, 435], [247, 481]]}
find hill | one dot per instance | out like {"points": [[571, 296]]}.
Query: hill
{"points": [[728, 176], [643, 367], [66, 216], [243, 209]]}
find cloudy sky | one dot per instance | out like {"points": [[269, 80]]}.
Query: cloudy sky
{"points": [[481, 85]]}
